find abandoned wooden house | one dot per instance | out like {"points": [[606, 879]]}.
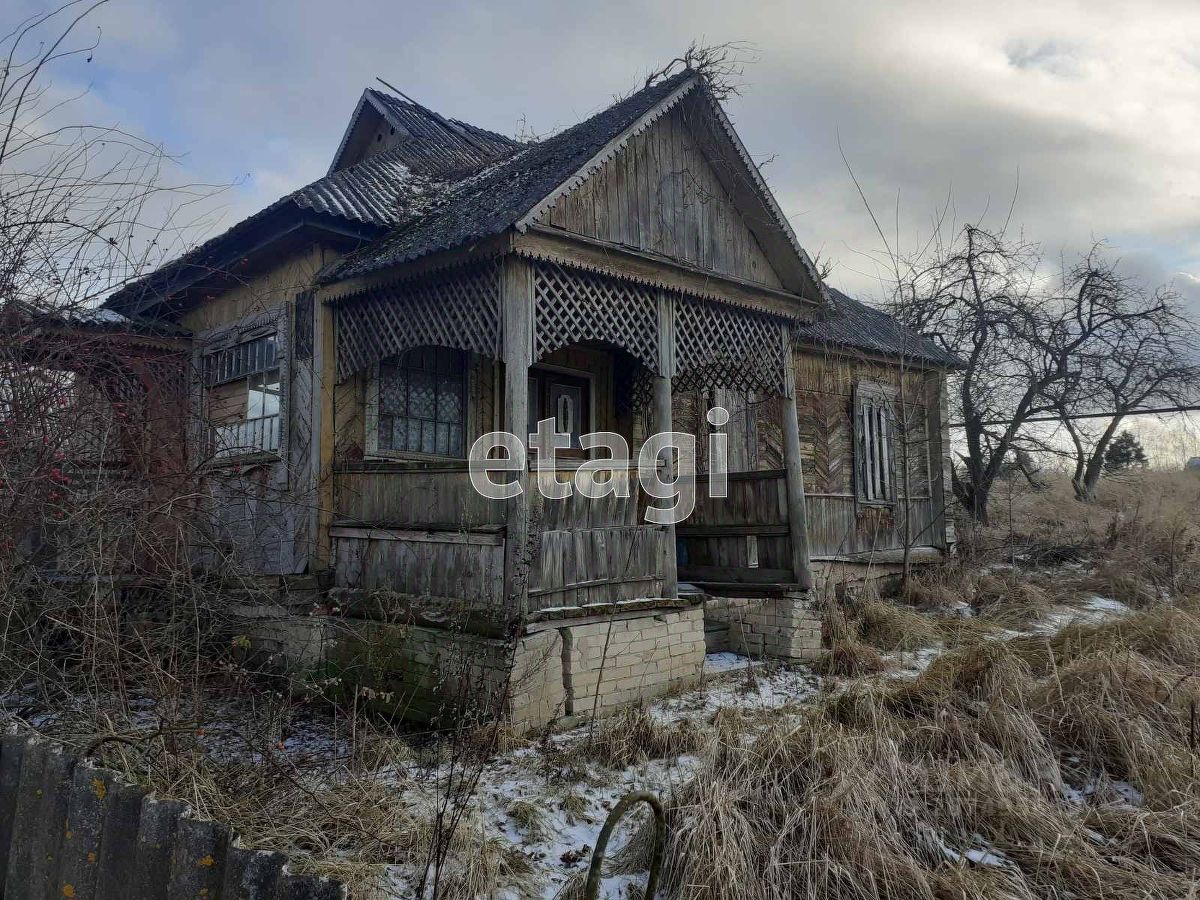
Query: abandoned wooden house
{"points": [[353, 339]]}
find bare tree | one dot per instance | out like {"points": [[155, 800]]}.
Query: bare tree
{"points": [[1032, 347], [1142, 354]]}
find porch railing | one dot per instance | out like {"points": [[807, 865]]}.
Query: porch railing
{"points": [[251, 436]]}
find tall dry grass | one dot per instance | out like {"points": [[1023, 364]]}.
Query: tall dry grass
{"points": [[966, 781]]}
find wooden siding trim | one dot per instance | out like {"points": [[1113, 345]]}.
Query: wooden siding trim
{"points": [[551, 244], [428, 536]]}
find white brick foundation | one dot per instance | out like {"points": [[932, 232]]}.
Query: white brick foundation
{"points": [[557, 670], [787, 627]]}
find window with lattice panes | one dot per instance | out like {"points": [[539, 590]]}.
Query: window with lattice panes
{"points": [[243, 397], [421, 404], [874, 444]]}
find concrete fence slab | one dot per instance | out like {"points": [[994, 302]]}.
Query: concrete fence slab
{"points": [[12, 751], [71, 830], [90, 799], [252, 874], [198, 860], [118, 845]]}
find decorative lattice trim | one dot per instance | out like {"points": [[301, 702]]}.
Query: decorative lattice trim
{"points": [[722, 346], [459, 310], [573, 305]]}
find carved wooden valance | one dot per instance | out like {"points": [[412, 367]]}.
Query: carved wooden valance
{"points": [[459, 309], [574, 305]]}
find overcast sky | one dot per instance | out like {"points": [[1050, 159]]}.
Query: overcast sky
{"points": [[1095, 105]]}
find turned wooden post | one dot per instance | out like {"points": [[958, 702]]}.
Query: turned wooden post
{"points": [[662, 420], [516, 311], [797, 516]]}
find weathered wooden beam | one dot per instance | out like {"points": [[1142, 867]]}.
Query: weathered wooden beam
{"points": [[662, 421], [547, 242], [516, 313], [324, 364], [797, 514]]}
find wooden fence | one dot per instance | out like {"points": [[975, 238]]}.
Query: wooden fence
{"points": [[69, 830]]}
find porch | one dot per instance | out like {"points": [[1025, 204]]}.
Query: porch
{"points": [[416, 527]]}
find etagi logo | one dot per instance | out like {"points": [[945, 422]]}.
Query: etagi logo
{"points": [[666, 466]]}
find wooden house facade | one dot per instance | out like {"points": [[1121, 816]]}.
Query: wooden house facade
{"points": [[352, 341]]}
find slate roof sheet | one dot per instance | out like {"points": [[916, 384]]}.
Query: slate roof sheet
{"points": [[853, 325]]}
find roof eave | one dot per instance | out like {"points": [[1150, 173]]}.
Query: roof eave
{"points": [[640, 124], [234, 249]]}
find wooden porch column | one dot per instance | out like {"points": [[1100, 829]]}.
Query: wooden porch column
{"points": [[516, 316], [661, 419], [797, 516]]}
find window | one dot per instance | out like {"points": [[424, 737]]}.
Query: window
{"points": [[422, 405], [244, 390], [874, 439], [564, 398]]}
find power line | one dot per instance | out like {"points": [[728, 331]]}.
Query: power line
{"points": [[1092, 415]]}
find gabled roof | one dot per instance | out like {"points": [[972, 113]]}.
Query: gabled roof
{"points": [[371, 196], [850, 324], [516, 190], [493, 201], [431, 144]]}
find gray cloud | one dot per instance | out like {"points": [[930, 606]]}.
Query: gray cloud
{"points": [[1092, 106]]}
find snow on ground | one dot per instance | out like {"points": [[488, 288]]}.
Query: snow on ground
{"points": [[573, 797], [1093, 609]]}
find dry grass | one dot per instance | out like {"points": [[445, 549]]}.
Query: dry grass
{"points": [[635, 736], [891, 627], [1010, 599], [351, 823], [889, 788], [850, 658]]}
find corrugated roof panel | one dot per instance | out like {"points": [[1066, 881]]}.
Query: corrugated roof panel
{"points": [[853, 324]]}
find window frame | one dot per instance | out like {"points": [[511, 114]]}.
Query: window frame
{"points": [[372, 450], [276, 323], [871, 398]]}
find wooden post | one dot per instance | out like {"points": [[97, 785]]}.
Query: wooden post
{"points": [[324, 364], [797, 516], [516, 312], [662, 420]]}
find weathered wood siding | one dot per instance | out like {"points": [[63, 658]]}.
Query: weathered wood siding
{"points": [[838, 525], [661, 194], [259, 513], [594, 551], [392, 494], [743, 536], [461, 567]]}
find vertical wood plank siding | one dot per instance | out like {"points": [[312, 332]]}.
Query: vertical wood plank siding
{"points": [[662, 195]]}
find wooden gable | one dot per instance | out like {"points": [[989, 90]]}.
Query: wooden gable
{"points": [[368, 133], [662, 193]]}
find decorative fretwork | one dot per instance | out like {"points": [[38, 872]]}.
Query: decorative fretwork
{"points": [[717, 345], [573, 305], [459, 309]]}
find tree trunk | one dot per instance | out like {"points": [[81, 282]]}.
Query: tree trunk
{"points": [[1095, 464], [971, 497]]}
